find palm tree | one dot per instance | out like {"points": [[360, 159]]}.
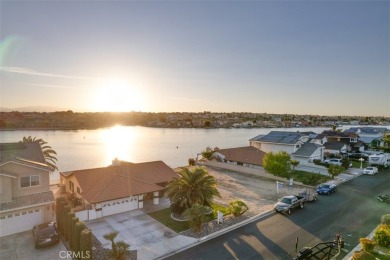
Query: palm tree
{"points": [[196, 216], [122, 250], [47, 151], [111, 237], [194, 186]]}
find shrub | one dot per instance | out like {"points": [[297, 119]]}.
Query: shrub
{"points": [[79, 227], [367, 244], [86, 244], [362, 255], [71, 240], [191, 162], [59, 202], [177, 209], [382, 235], [65, 212], [385, 219], [69, 223], [237, 207]]}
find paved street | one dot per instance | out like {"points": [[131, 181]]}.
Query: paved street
{"points": [[352, 211]]}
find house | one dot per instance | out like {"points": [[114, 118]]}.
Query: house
{"points": [[368, 134], [246, 156], [344, 137], [25, 196], [308, 152], [121, 187], [319, 139], [336, 148], [277, 141]]}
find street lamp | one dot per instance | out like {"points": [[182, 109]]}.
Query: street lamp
{"points": [[361, 163]]}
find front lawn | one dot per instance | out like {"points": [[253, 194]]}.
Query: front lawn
{"points": [[164, 216], [309, 178], [357, 164]]}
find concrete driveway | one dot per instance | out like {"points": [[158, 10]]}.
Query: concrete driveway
{"points": [[142, 232], [21, 246]]}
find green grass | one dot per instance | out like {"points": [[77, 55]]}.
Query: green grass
{"points": [[309, 178], [164, 217], [357, 164]]}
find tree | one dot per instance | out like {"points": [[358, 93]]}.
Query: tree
{"points": [[207, 153], [277, 163], [237, 207], [120, 249], [294, 164], [111, 237], [194, 186], [196, 214], [335, 170], [47, 151]]}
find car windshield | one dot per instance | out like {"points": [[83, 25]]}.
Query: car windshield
{"points": [[286, 200], [369, 168], [48, 231], [325, 186]]}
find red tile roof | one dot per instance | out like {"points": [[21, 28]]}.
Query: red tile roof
{"points": [[247, 154], [114, 182]]}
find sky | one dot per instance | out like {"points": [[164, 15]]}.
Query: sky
{"points": [[294, 57]]}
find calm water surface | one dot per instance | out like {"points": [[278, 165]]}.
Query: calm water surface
{"points": [[81, 149]]}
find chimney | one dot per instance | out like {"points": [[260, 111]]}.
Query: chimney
{"points": [[116, 162]]}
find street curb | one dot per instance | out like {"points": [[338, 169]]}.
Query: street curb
{"points": [[219, 232]]}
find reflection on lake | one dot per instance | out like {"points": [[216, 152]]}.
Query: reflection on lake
{"points": [[81, 149]]}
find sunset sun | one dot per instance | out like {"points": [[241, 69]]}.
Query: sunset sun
{"points": [[117, 96]]}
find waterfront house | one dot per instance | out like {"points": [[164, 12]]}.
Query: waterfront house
{"points": [[344, 137], [308, 152], [277, 141], [246, 156], [336, 148], [25, 196], [368, 135], [120, 187]]}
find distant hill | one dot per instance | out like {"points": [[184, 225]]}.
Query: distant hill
{"points": [[33, 109]]}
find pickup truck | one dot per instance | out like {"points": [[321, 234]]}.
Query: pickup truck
{"points": [[287, 203]]}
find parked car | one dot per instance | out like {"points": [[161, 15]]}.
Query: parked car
{"points": [[45, 234], [334, 161], [326, 188], [358, 156], [287, 203], [370, 170]]}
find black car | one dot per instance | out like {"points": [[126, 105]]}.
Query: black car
{"points": [[45, 234], [358, 156]]}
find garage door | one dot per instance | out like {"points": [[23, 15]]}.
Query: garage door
{"points": [[119, 206], [20, 221]]}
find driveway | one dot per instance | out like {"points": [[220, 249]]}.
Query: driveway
{"points": [[142, 232], [21, 246]]}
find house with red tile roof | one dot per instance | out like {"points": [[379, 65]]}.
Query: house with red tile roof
{"points": [[245, 156], [25, 196], [120, 187]]}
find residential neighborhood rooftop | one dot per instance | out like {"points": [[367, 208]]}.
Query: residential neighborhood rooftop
{"points": [[247, 154]]}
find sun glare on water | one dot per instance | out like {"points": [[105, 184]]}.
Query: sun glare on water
{"points": [[118, 142], [117, 96]]}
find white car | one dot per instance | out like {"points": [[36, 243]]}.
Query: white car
{"points": [[370, 170], [334, 161]]}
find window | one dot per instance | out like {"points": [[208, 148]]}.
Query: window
{"points": [[78, 190], [71, 186], [29, 181]]}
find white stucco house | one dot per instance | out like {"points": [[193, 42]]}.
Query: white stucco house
{"points": [[118, 188], [336, 148], [25, 196], [277, 141], [309, 152]]}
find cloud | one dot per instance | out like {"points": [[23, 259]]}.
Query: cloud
{"points": [[49, 86], [31, 72]]}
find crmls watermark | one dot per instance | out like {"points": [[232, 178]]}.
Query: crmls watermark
{"points": [[74, 255]]}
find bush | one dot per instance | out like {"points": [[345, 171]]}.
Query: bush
{"points": [[191, 162], [78, 228], [86, 244], [385, 219], [237, 207], [362, 255], [382, 235], [177, 209], [318, 162], [367, 244]]}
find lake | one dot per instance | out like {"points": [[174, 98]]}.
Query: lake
{"points": [[82, 149]]}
